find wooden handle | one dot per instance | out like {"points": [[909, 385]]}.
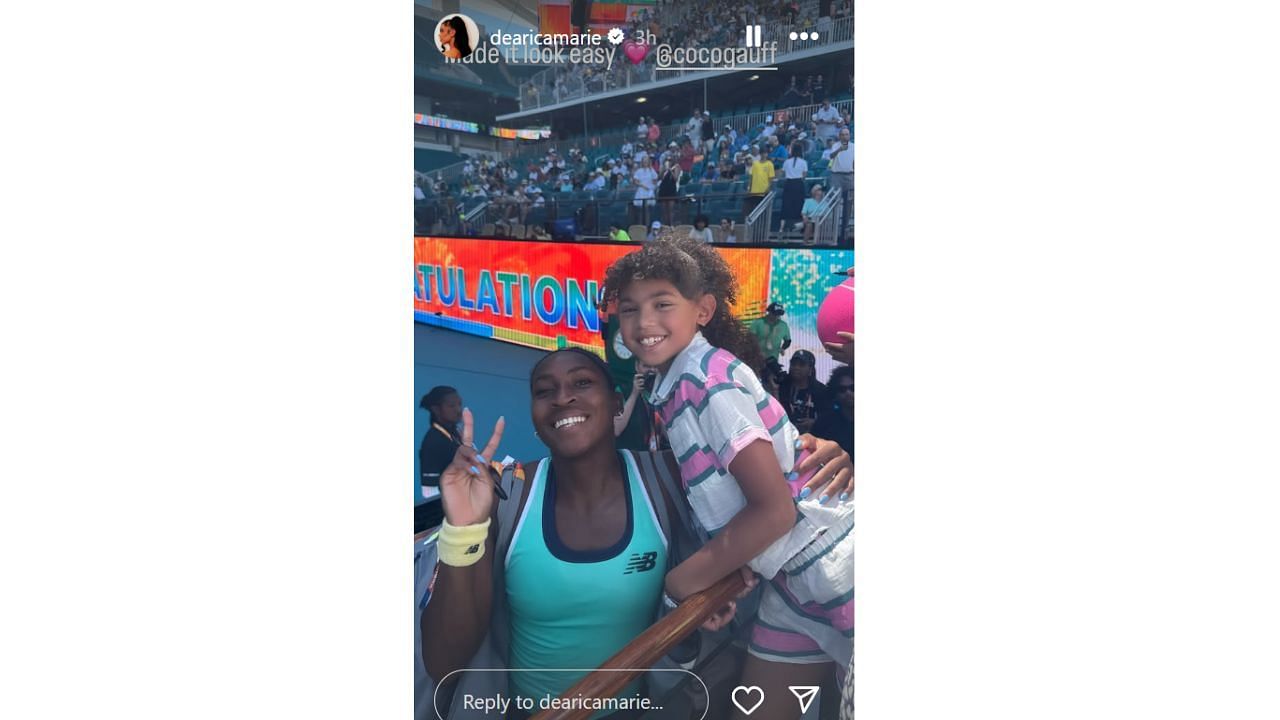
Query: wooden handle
{"points": [[649, 646]]}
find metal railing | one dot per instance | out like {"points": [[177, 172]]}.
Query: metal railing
{"points": [[541, 91], [592, 216], [826, 224], [760, 220]]}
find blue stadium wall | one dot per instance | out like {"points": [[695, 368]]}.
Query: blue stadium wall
{"points": [[491, 376]]}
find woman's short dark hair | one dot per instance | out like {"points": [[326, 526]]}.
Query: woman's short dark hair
{"points": [[596, 361], [701, 219], [797, 149], [436, 396]]}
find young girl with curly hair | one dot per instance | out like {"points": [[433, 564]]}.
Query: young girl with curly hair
{"points": [[736, 450]]}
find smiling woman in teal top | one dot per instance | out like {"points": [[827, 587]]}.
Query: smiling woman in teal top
{"points": [[574, 608]]}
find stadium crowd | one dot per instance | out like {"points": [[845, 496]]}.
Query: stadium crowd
{"points": [[655, 175]]}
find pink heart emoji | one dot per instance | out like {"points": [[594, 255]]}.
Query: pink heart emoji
{"points": [[635, 51]]}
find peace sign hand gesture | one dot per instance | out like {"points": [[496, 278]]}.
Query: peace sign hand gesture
{"points": [[466, 486]]}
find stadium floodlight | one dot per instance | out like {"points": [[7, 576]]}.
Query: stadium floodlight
{"points": [[641, 98]]}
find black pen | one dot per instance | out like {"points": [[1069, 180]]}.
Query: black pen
{"points": [[497, 483]]}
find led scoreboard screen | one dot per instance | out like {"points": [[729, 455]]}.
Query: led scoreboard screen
{"points": [[544, 294]]}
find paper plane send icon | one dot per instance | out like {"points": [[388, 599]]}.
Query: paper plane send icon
{"points": [[804, 695]]}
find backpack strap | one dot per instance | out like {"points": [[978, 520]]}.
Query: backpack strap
{"points": [[668, 473], [508, 510], [653, 486]]}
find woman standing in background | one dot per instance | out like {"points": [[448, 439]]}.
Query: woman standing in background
{"points": [[442, 439]]}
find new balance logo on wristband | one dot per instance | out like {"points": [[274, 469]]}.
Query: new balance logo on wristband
{"points": [[473, 549], [642, 563]]}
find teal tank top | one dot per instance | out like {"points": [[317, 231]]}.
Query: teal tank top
{"points": [[573, 609]]}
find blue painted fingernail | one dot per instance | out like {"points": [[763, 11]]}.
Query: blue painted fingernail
{"points": [[823, 500], [799, 444], [792, 475], [481, 459], [805, 493], [475, 470], [844, 496]]}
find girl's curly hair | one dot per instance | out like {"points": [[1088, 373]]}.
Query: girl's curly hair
{"points": [[694, 268]]}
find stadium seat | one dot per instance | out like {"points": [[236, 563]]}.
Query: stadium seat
{"points": [[721, 186], [683, 230], [517, 230], [637, 232], [487, 229]]}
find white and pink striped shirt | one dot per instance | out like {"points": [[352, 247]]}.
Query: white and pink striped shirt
{"points": [[713, 406]]}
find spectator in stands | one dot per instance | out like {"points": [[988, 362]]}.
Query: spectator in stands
{"points": [[836, 421], [693, 128], [596, 182], [654, 231], [791, 96], [654, 132], [790, 9], [806, 144], [642, 130], [668, 189], [708, 133], [617, 233], [726, 231], [761, 171], [769, 129], [826, 118], [728, 170], [520, 203], [771, 332], [701, 232], [418, 195], [831, 148], [646, 182], [686, 158], [801, 394], [841, 170], [819, 87], [775, 149], [810, 211], [538, 232], [709, 173], [794, 171], [626, 148], [612, 169], [671, 154], [444, 405]]}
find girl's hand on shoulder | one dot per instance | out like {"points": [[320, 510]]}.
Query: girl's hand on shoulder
{"points": [[834, 479]]}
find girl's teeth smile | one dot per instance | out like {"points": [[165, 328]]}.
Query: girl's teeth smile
{"points": [[651, 341]]}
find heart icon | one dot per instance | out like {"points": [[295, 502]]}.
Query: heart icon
{"points": [[635, 51], [753, 691]]}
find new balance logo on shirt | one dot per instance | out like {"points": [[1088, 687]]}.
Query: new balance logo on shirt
{"points": [[642, 562]]}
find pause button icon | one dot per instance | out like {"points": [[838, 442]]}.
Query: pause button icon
{"points": [[753, 36]]}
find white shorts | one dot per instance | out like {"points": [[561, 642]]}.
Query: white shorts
{"points": [[806, 611]]}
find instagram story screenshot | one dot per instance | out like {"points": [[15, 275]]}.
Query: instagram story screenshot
{"points": [[633, 359]]}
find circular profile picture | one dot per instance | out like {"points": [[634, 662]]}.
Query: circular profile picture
{"points": [[457, 36]]}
